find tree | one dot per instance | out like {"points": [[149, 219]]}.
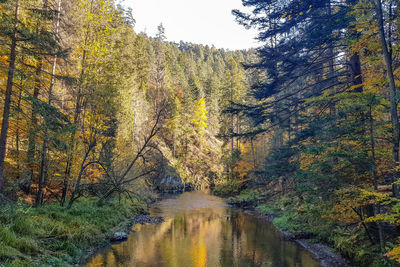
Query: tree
{"points": [[200, 117], [19, 33], [161, 33], [43, 165], [9, 87], [387, 55]]}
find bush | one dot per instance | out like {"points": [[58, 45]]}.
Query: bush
{"points": [[229, 188], [264, 209], [248, 197]]}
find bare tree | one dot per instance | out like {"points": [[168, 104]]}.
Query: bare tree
{"points": [[118, 182]]}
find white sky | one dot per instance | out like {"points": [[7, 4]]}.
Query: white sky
{"points": [[197, 21]]}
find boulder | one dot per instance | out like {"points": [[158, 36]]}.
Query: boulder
{"points": [[25, 182], [119, 236], [170, 184], [189, 187]]}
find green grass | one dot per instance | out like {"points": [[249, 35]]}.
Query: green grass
{"points": [[55, 236]]}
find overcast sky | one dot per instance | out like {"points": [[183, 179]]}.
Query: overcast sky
{"points": [[198, 21]]}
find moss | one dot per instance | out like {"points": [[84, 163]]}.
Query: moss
{"points": [[55, 236]]}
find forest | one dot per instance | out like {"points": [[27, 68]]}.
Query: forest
{"points": [[95, 116]]}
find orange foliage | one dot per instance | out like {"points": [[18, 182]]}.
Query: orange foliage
{"points": [[243, 168]]}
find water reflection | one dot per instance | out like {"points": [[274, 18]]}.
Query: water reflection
{"points": [[200, 230]]}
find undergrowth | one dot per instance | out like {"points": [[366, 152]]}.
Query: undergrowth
{"points": [[309, 218], [55, 236], [229, 188]]}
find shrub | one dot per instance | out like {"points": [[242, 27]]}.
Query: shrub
{"points": [[264, 209], [248, 197], [229, 188]]}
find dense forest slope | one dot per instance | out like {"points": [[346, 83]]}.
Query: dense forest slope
{"points": [[95, 115], [92, 106]]}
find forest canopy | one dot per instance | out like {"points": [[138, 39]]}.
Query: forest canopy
{"points": [[90, 105]]}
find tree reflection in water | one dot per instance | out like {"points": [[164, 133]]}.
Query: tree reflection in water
{"points": [[201, 230]]}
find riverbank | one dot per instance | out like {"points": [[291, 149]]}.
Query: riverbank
{"points": [[55, 236], [311, 231], [121, 233], [310, 218], [322, 252]]}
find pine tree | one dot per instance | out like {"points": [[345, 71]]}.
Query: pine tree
{"points": [[19, 32]]}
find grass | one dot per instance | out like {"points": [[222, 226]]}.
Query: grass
{"points": [[55, 236]]}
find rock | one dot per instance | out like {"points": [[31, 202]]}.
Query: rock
{"points": [[269, 217], [189, 187], [25, 182], [119, 236], [143, 219], [288, 236], [323, 254], [170, 185]]}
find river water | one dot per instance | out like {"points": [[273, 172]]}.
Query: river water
{"points": [[202, 230]]}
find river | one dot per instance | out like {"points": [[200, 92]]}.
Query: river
{"points": [[202, 230]]}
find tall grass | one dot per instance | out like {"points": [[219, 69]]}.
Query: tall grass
{"points": [[55, 236]]}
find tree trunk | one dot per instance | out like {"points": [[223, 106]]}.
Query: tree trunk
{"points": [[392, 90], [375, 179], [356, 75], [78, 181], [70, 154], [238, 132], [17, 132], [43, 165], [373, 157], [232, 130], [253, 152], [380, 230], [67, 172], [30, 157], [8, 95], [331, 62]]}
